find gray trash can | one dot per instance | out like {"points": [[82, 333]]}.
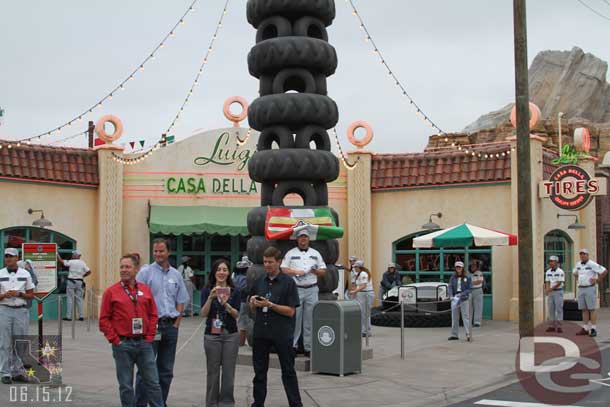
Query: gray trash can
{"points": [[337, 342]]}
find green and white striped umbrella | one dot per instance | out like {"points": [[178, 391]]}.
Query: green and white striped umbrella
{"points": [[465, 235]]}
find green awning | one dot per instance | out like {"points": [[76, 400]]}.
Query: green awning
{"points": [[189, 220]]}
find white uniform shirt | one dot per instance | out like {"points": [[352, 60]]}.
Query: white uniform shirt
{"points": [[185, 273], [363, 278], [19, 281], [587, 271], [353, 275], [76, 268], [296, 259], [555, 276]]}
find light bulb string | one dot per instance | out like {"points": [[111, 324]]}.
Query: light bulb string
{"points": [[121, 85], [397, 82], [342, 156], [161, 142]]}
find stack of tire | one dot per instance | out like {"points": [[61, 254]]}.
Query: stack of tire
{"points": [[292, 59]]}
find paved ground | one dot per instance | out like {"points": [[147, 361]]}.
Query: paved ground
{"points": [[435, 372]]}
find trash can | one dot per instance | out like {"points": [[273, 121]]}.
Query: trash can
{"points": [[337, 342]]}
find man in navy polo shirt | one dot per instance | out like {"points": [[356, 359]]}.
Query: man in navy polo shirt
{"points": [[170, 295], [274, 298]]}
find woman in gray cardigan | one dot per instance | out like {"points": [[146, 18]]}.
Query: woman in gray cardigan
{"points": [[460, 286]]}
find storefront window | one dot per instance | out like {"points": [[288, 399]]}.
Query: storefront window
{"points": [[204, 249], [15, 237], [436, 265], [558, 243]]}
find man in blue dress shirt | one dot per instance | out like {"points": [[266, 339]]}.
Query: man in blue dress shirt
{"points": [[170, 295]]}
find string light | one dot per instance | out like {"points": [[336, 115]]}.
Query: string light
{"points": [[369, 39], [245, 140], [121, 85], [344, 161], [162, 142]]}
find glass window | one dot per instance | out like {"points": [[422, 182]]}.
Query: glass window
{"points": [[557, 243], [243, 244], [220, 243], [406, 262], [195, 243], [14, 238], [40, 235], [63, 243], [429, 262]]}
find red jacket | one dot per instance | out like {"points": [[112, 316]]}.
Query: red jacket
{"points": [[118, 310]]}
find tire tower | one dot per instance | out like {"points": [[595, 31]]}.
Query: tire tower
{"points": [[292, 59]]}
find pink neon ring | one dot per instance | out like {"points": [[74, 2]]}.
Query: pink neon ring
{"points": [[351, 133], [118, 128], [235, 118]]}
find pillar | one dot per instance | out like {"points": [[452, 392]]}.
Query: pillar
{"points": [[360, 230]]}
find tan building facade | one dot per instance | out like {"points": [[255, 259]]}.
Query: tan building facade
{"points": [[197, 192]]}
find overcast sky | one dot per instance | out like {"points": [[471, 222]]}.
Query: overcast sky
{"points": [[454, 57]]}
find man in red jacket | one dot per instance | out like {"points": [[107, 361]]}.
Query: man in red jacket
{"points": [[128, 319]]}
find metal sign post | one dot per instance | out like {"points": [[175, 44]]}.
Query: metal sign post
{"points": [[44, 262]]}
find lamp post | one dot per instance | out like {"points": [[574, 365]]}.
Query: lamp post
{"points": [[559, 116]]}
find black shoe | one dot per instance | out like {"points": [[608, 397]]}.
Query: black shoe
{"points": [[67, 319], [559, 330], [6, 380], [550, 329], [477, 325], [453, 338], [469, 339], [20, 379], [593, 333], [582, 332], [81, 319]]}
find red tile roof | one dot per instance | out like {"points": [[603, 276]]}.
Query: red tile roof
{"points": [[547, 166], [443, 167], [49, 164]]}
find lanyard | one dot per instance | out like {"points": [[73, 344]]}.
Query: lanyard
{"points": [[133, 300]]}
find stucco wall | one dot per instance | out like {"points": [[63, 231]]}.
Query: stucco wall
{"points": [[72, 210], [400, 213]]}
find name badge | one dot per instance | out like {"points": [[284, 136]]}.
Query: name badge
{"points": [[137, 326], [265, 309], [171, 281], [216, 326]]}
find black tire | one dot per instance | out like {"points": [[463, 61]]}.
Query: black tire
{"points": [[569, 305], [271, 56], [295, 79], [329, 249], [273, 27], [412, 319], [328, 282], [293, 110], [291, 164], [258, 10], [257, 216], [318, 135], [254, 272], [572, 315], [302, 188], [376, 310], [281, 135], [310, 27]]}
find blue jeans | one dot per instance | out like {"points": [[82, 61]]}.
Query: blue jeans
{"points": [[140, 353], [165, 352]]}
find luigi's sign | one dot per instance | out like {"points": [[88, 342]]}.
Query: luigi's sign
{"points": [[570, 187]]}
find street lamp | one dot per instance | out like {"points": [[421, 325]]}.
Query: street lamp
{"points": [[42, 222], [575, 225], [431, 225]]}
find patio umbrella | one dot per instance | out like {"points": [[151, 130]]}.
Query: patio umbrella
{"points": [[465, 235]]}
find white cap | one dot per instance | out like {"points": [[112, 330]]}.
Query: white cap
{"points": [[11, 252], [303, 232], [353, 258], [553, 258], [76, 252], [391, 265], [585, 251], [244, 263], [359, 263], [459, 264]]}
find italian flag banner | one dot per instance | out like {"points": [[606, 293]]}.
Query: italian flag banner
{"points": [[286, 223]]}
